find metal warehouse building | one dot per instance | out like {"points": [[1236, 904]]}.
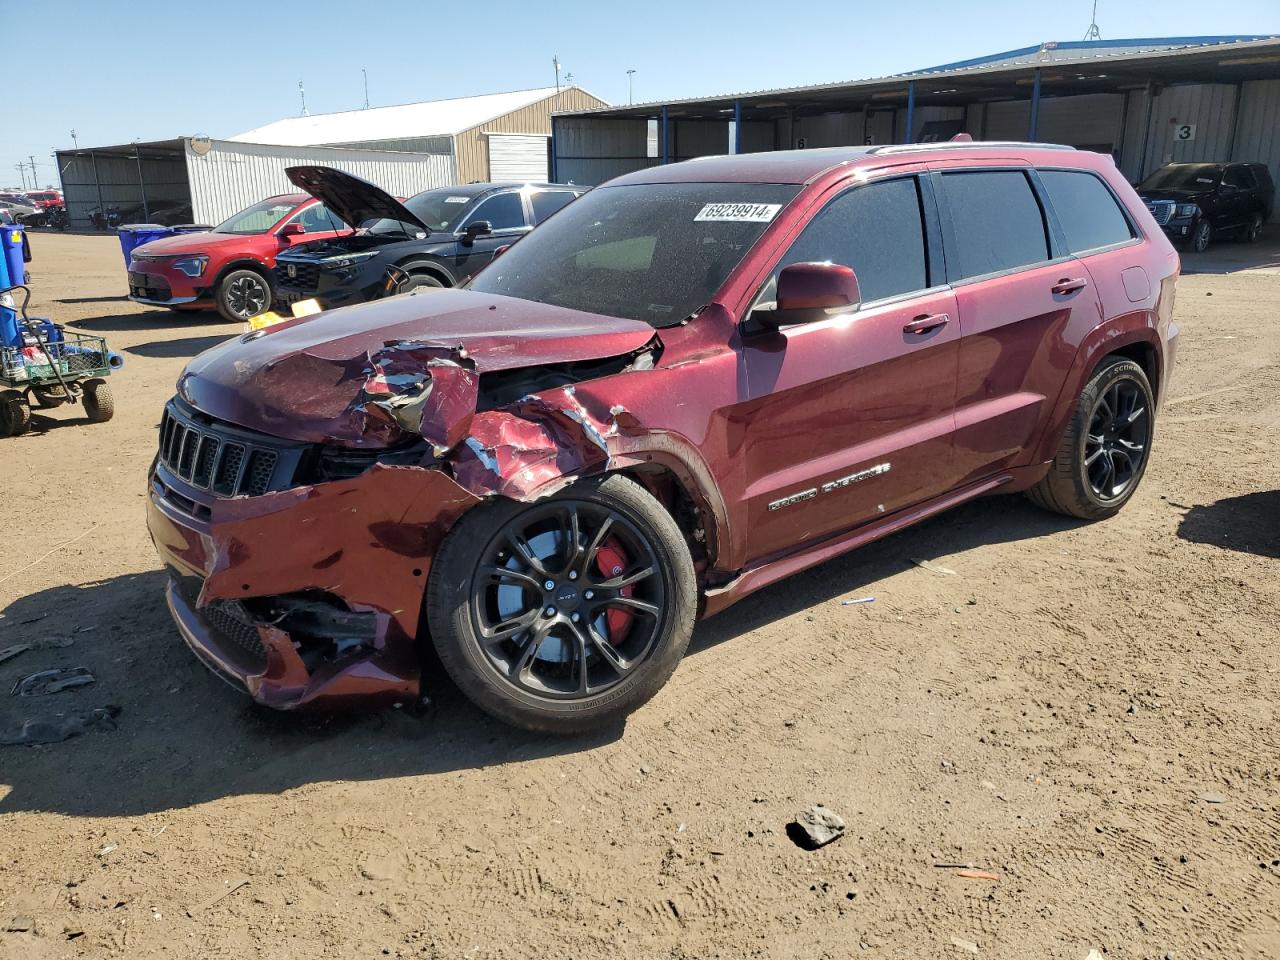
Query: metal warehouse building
{"points": [[1147, 102], [193, 179], [500, 136]]}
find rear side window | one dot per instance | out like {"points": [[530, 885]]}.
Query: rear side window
{"points": [[1239, 177], [875, 229], [1086, 209], [547, 202], [996, 220], [504, 212]]}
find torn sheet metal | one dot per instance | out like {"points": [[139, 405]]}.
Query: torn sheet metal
{"points": [[52, 681], [422, 388], [518, 450], [9, 652]]}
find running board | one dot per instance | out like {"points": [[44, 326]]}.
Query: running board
{"points": [[772, 571]]}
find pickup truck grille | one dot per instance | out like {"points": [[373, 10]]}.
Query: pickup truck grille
{"points": [[1162, 210], [225, 460]]}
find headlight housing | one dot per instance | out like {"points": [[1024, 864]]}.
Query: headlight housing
{"points": [[347, 260], [192, 266], [1186, 210]]}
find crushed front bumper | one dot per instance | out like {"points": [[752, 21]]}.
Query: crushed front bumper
{"points": [[368, 542]]}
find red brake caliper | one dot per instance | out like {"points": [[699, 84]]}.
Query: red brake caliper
{"points": [[611, 561]]}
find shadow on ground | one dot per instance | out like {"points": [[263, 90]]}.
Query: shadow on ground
{"points": [[1248, 524], [185, 347], [151, 320], [1232, 255], [122, 298], [184, 737]]}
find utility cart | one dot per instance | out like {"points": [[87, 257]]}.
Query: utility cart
{"points": [[43, 364]]}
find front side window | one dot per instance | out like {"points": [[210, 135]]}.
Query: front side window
{"points": [[877, 230], [656, 252], [504, 212], [996, 221], [1086, 209], [318, 218]]}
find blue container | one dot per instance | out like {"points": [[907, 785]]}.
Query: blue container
{"points": [[136, 234], [10, 334], [13, 244]]}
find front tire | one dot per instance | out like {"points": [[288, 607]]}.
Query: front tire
{"points": [[243, 294], [1200, 236], [1104, 450], [563, 615], [419, 281]]}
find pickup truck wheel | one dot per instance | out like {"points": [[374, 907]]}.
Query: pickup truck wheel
{"points": [[243, 294], [1200, 236], [1254, 230], [1104, 450], [566, 614]]}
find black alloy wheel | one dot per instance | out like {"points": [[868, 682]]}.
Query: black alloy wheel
{"points": [[544, 592], [1200, 236], [1115, 446], [1254, 230]]}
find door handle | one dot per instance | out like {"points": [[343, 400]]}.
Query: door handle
{"points": [[923, 324], [1068, 285]]}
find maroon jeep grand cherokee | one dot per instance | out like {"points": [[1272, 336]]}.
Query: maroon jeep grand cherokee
{"points": [[693, 382]]}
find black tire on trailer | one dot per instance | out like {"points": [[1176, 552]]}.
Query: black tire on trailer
{"points": [[520, 597], [99, 404], [1105, 448], [243, 294], [15, 413]]}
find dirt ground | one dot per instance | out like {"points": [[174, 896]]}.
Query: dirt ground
{"points": [[1087, 711]]}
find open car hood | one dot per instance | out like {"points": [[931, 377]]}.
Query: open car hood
{"points": [[356, 201], [305, 379]]}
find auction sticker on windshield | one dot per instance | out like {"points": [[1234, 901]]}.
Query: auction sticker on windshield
{"points": [[739, 212]]}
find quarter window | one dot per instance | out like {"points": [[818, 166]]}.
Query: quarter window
{"points": [[1240, 177], [504, 212], [1086, 209], [547, 202], [996, 221], [875, 229]]}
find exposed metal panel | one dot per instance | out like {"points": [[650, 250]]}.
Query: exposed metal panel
{"points": [[1258, 128], [515, 156], [1210, 107], [231, 176]]}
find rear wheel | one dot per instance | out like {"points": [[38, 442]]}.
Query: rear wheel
{"points": [[15, 413], [99, 404], [1104, 450], [566, 614], [243, 294]]}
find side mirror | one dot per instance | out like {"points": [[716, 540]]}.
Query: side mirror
{"points": [[476, 228], [811, 291], [291, 230]]}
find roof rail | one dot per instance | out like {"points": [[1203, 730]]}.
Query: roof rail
{"points": [[964, 145]]}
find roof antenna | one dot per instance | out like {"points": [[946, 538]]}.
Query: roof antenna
{"points": [[303, 94], [1093, 33], [365, 73]]}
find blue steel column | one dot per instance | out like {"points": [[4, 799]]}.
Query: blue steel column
{"points": [[737, 126], [666, 136], [1035, 107], [911, 112]]}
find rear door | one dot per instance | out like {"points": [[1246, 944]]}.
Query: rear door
{"points": [[1020, 300], [849, 418]]}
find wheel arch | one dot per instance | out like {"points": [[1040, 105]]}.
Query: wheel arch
{"points": [[243, 263], [429, 267]]}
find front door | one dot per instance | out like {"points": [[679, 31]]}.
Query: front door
{"points": [[850, 418], [508, 219]]}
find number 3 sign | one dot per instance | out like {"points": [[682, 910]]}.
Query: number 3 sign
{"points": [[1184, 131]]}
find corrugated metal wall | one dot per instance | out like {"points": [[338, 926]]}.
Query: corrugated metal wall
{"points": [[593, 150], [1211, 107], [472, 146], [231, 176], [163, 176], [1137, 103], [1094, 120], [1258, 127], [518, 156]]}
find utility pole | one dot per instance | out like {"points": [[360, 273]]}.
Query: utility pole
{"points": [[365, 73], [555, 62], [630, 87], [22, 172], [35, 179], [303, 94]]}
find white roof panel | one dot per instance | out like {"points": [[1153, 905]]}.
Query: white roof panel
{"points": [[429, 119]]}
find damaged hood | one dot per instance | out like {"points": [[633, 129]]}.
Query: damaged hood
{"points": [[354, 200], [305, 379]]}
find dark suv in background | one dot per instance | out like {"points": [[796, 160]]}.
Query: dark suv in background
{"points": [[438, 238], [1193, 202]]}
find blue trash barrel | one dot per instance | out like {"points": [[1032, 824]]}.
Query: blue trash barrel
{"points": [[10, 335], [13, 244], [136, 234]]}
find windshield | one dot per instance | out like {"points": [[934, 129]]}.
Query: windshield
{"points": [[655, 252], [440, 210], [1184, 176], [259, 218]]}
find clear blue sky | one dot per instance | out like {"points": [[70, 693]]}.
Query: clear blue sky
{"points": [[116, 71]]}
